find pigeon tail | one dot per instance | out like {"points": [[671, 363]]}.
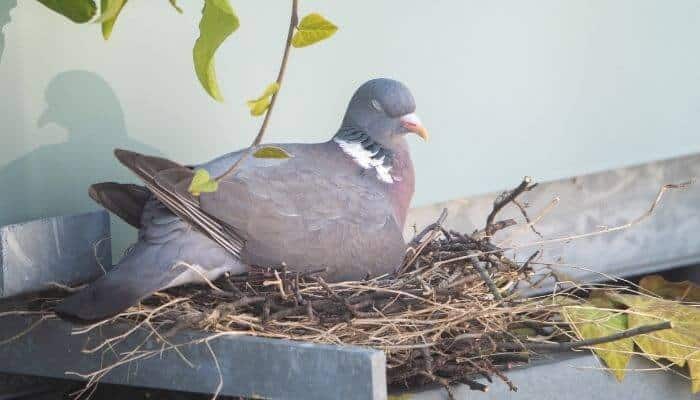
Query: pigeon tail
{"points": [[127, 201], [169, 254], [113, 293]]}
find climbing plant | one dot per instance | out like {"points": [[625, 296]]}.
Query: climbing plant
{"points": [[218, 22]]}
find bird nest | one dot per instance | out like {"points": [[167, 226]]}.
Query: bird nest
{"points": [[450, 314]]}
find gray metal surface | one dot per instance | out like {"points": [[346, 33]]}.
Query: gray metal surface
{"points": [[667, 239], [65, 250], [576, 378], [251, 367]]}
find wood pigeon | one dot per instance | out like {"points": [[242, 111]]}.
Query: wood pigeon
{"points": [[339, 205]]}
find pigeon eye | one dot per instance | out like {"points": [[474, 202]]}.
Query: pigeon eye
{"points": [[376, 105]]}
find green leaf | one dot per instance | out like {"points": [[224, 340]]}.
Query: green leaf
{"points": [[202, 183], [175, 6], [79, 11], [261, 104], [312, 29], [110, 12], [591, 322], [218, 22], [271, 152]]}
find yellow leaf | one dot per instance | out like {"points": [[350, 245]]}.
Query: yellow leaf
{"points": [[591, 322], [694, 368], [110, 10], [261, 104], [682, 291], [405, 396], [312, 29], [218, 22], [678, 344], [202, 183], [271, 152]]}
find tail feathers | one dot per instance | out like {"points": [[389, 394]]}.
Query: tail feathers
{"points": [[124, 286], [125, 200]]}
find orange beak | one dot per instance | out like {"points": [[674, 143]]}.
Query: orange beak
{"points": [[413, 124]]}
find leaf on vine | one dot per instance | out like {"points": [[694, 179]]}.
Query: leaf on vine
{"points": [[79, 11], [110, 10], [590, 322], [312, 29], [261, 104], [218, 22], [682, 291], [271, 152], [175, 6], [202, 183]]}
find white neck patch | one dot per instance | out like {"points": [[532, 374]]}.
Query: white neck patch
{"points": [[363, 158]]}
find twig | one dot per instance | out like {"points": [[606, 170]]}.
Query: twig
{"points": [[293, 20], [24, 332], [486, 278], [474, 385], [435, 225], [433, 230], [445, 383], [526, 265], [337, 297], [527, 217], [504, 199], [218, 370], [657, 200], [567, 346]]}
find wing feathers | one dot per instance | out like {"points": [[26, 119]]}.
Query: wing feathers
{"points": [[169, 181]]}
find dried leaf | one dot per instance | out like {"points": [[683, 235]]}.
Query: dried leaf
{"points": [[79, 11], [694, 369], [218, 22], [271, 152], [680, 345], [110, 10], [312, 29], [261, 104], [681, 291], [591, 322], [202, 183]]}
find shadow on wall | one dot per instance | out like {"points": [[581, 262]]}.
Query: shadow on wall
{"points": [[5, 7], [54, 179]]}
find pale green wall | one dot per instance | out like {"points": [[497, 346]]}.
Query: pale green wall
{"points": [[507, 88]]}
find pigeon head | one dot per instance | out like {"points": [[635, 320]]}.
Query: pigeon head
{"points": [[383, 109], [380, 114]]}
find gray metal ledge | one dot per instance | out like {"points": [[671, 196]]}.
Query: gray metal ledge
{"points": [[250, 367], [67, 250], [575, 377]]}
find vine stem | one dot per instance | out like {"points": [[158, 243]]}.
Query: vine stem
{"points": [[293, 21]]}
